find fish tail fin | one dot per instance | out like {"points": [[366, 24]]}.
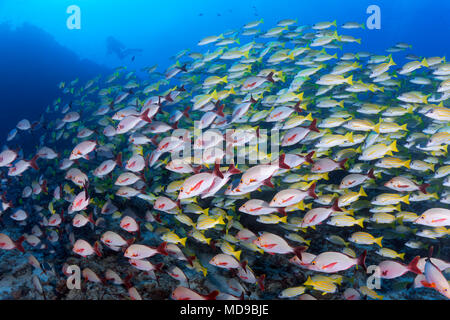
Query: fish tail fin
{"points": [[270, 77], [405, 199], [309, 156], [224, 79], [308, 281], [432, 166], [268, 183], [291, 56], [349, 80], [33, 163], [362, 193], [212, 295], [233, 170], [219, 110], [360, 222], [391, 62], [220, 220], [217, 171], [281, 162], [393, 146], [183, 241], [410, 109], [370, 174], [97, 249], [119, 159], [361, 261], [424, 62], [282, 211], [162, 249], [423, 187], [350, 212], [237, 254], [313, 126], [299, 250], [19, 245], [91, 218], [145, 117], [311, 191], [283, 219], [309, 117], [412, 266], [214, 95], [378, 241], [349, 136], [403, 127], [407, 163], [402, 256], [335, 206]]}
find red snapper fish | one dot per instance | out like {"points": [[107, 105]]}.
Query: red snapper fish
{"points": [[332, 262], [272, 243]]}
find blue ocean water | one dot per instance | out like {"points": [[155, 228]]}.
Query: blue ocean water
{"points": [[38, 50]]}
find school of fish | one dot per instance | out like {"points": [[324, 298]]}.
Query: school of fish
{"points": [[360, 177]]}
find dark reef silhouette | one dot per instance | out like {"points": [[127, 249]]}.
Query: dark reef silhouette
{"points": [[32, 64]]}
